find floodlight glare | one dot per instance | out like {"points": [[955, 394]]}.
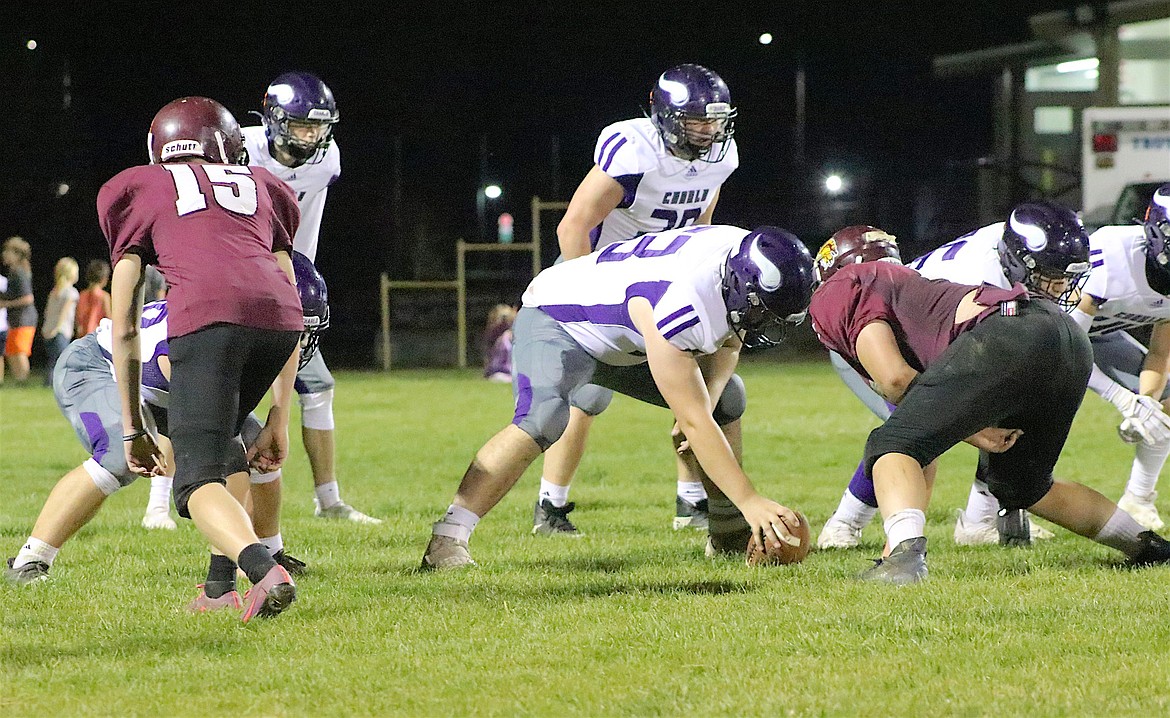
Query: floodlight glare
{"points": [[766, 38], [834, 183], [492, 191]]}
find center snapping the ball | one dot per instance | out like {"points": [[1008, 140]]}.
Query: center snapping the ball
{"points": [[786, 554]]}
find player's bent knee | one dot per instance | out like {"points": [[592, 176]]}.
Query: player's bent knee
{"points": [[1018, 491], [732, 403], [592, 399], [183, 488], [317, 410], [545, 421], [105, 481]]}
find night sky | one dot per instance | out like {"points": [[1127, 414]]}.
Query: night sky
{"points": [[436, 78]]}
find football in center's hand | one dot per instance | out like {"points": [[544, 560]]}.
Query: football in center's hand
{"points": [[787, 553]]}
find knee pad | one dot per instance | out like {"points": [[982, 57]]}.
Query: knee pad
{"points": [[592, 399], [732, 403], [317, 410], [255, 477], [545, 421], [106, 482]]}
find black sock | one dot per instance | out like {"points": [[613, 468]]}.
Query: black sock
{"points": [[221, 576], [256, 562]]}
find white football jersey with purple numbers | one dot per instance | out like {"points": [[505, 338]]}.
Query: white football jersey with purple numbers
{"points": [[153, 344], [660, 192], [970, 259], [677, 271], [1117, 281], [310, 182]]}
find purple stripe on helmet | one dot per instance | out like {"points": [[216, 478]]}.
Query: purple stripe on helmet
{"points": [[523, 398], [675, 315], [681, 327], [99, 440], [611, 138], [609, 159], [629, 185], [614, 315]]}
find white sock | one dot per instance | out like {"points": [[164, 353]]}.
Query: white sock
{"points": [[982, 507], [274, 544], [35, 550], [854, 511], [1121, 532], [328, 494], [1147, 464], [905, 524], [160, 494], [458, 523], [692, 491], [556, 495]]}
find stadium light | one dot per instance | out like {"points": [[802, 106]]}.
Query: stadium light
{"points": [[31, 44], [766, 38], [1089, 63], [492, 191], [834, 184]]}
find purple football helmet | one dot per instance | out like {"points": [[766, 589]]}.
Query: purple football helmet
{"points": [[691, 107], [1156, 225], [196, 127], [302, 100], [1044, 242], [314, 305], [767, 286]]}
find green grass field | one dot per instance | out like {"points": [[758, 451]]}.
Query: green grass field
{"points": [[630, 620]]}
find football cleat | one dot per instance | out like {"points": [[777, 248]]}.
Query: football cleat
{"points": [[550, 520], [1155, 549], [688, 515], [838, 534], [1142, 509], [974, 533], [275, 593], [31, 572], [1014, 528], [158, 519], [293, 565], [905, 565], [205, 604], [444, 552], [342, 511]]}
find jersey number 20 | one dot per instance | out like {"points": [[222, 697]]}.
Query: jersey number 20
{"points": [[232, 187]]}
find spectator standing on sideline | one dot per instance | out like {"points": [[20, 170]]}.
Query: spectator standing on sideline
{"points": [[497, 344], [18, 297], [3, 323], [94, 304], [60, 307]]}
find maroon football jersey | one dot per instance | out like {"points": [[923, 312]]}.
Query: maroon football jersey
{"points": [[920, 311], [212, 231]]}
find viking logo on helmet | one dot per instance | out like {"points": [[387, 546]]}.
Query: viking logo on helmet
{"points": [[691, 108], [767, 286], [1045, 248], [299, 115]]}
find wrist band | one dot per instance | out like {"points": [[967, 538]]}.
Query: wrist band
{"points": [[134, 435]]}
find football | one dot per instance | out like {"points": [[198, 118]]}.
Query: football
{"points": [[786, 554]]}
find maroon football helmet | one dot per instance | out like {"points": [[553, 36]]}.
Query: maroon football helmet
{"points": [[855, 244], [196, 127]]}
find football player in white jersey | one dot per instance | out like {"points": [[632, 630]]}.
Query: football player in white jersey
{"points": [[1038, 237], [660, 318], [1128, 290], [650, 174], [296, 144]]}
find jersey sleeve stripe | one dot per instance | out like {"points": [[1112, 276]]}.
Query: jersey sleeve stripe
{"points": [[681, 327], [688, 309], [604, 145], [609, 159]]}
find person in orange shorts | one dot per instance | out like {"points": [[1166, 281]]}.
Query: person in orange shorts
{"points": [[18, 300]]}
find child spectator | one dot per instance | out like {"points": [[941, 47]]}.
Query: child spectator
{"points": [[94, 304], [497, 344], [60, 308], [18, 297]]}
